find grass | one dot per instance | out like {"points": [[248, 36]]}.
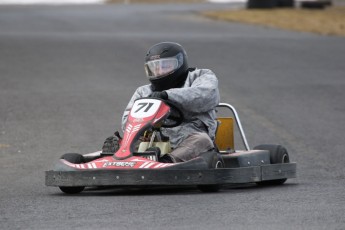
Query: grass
{"points": [[330, 21]]}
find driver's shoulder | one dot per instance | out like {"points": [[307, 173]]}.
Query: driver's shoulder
{"points": [[196, 73], [144, 90]]}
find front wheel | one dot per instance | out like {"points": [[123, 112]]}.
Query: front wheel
{"points": [[75, 158], [72, 190], [278, 155]]}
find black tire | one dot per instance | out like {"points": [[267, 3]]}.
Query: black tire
{"points": [[278, 155], [315, 4], [72, 190], [286, 3], [75, 158], [261, 4], [215, 161]]}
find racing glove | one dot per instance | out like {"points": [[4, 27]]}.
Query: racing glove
{"points": [[163, 95]]}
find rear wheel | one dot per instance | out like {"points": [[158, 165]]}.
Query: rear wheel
{"points": [[75, 158], [278, 155], [215, 162]]}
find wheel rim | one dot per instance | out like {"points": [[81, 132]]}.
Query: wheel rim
{"points": [[285, 158], [219, 164]]}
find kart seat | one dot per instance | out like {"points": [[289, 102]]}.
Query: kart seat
{"points": [[225, 134]]}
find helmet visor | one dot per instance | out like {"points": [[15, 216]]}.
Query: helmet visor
{"points": [[161, 67]]}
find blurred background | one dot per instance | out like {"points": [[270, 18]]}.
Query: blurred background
{"points": [[317, 16]]}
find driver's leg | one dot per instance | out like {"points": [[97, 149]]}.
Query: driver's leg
{"points": [[192, 146]]}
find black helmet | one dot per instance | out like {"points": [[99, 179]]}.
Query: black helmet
{"points": [[166, 65]]}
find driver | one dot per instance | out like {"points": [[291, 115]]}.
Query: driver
{"points": [[194, 91]]}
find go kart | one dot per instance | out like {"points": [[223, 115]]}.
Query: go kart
{"points": [[136, 163]]}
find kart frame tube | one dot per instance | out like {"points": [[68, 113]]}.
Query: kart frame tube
{"points": [[142, 177], [238, 122]]}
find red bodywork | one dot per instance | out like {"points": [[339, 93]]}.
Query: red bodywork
{"points": [[145, 113], [111, 163]]}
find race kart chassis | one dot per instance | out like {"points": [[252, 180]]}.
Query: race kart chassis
{"points": [[266, 164], [180, 177]]}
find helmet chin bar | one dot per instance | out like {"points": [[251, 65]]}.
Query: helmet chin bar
{"points": [[173, 80]]}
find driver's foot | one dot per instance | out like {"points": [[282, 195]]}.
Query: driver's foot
{"points": [[167, 158]]}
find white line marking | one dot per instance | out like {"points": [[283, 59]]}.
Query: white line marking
{"points": [[149, 165]]}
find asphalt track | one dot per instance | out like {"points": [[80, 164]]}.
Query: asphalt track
{"points": [[67, 72]]}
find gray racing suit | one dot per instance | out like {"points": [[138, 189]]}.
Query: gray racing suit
{"points": [[197, 100]]}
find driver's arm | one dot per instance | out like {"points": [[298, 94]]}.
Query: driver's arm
{"points": [[201, 96]]}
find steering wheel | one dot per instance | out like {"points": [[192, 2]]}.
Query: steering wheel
{"points": [[175, 117]]}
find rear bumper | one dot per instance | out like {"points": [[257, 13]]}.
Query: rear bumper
{"points": [[144, 177]]}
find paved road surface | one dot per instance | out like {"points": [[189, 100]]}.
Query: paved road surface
{"points": [[67, 72]]}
